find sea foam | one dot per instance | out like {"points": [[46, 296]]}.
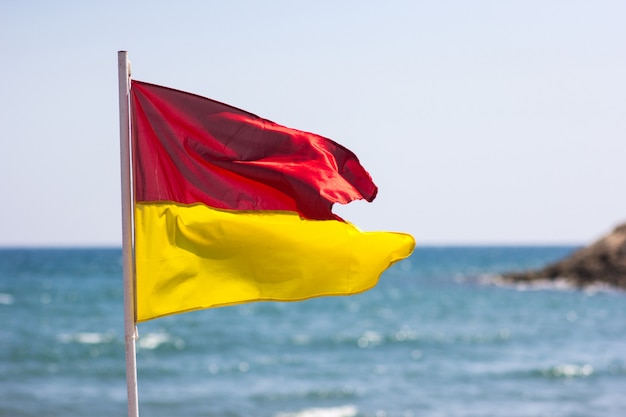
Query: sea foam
{"points": [[344, 411]]}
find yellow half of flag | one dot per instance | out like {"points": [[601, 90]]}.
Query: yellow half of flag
{"points": [[190, 257]]}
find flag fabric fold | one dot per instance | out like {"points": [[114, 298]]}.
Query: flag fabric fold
{"points": [[232, 208]]}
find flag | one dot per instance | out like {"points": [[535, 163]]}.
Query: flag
{"points": [[232, 208]]}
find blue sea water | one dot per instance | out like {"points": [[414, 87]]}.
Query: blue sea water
{"points": [[436, 337]]}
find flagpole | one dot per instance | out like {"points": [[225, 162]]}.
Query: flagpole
{"points": [[130, 333]]}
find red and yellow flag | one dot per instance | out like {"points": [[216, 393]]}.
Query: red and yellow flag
{"points": [[232, 208]]}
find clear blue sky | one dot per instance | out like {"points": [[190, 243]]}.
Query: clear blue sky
{"points": [[481, 122]]}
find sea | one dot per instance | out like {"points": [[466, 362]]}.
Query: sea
{"points": [[438, 336]]}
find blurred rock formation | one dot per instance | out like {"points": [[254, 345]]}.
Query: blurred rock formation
{"points": [[603, 262]]}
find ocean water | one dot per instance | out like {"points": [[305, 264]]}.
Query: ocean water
{"points": [[436, 337]]}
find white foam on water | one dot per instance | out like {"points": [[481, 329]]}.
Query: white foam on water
{"points": [[343, 411], [6, 299], [153, 340], [559, 284], [570, 370], [87, 338]]}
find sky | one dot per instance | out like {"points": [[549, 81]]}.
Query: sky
{"points": [[482, 122]]}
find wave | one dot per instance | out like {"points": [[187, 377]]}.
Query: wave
{"points": [[86, 338], [149, 341], [558, 284], [567, 371], [155, 340], [343, 411], [6, 299], [309, 394], [561, 371]]}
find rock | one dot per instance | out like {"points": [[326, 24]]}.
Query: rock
{"points": [[603, 262]]}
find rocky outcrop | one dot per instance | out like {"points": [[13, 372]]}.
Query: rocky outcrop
{"points": [[603, 262]]}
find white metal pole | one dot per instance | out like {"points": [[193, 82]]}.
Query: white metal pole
{"points": [[130, 333]]}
